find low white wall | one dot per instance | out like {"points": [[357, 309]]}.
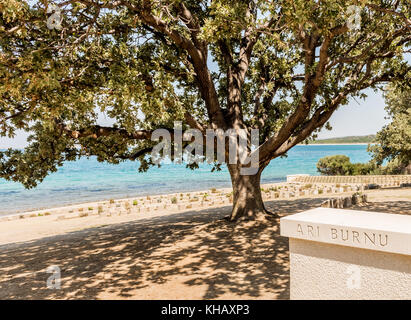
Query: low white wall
{"points": [[347, 254], [293, 177]]}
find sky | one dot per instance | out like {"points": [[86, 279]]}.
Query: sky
{"points": [[358, 118]]}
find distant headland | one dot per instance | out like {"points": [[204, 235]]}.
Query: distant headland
{"points": [[347, 140]]}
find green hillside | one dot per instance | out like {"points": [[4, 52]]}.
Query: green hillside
{"points": [[352, 139]]}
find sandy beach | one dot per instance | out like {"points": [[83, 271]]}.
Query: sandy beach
{"points": [[193, 254]]}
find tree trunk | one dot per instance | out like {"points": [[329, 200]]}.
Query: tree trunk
{"points": [[247, 200]]}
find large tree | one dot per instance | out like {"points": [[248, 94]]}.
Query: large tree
{"points": [[281, 66]]}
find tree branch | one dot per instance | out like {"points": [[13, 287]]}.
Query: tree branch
{"points": [[97, 131]]}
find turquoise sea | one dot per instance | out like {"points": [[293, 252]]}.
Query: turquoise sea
{"points": [[88, 180]]}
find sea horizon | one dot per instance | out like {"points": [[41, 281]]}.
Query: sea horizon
{"points": [[87, 180]]}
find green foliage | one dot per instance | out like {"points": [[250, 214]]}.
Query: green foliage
{"points": [[395, 166], [340, 165], [394, 140], [334, 165]]}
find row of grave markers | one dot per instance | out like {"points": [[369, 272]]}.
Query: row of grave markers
{"points": [[202, 199]]}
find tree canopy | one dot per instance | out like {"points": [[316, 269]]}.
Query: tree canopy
{"points": [[281, 66]]}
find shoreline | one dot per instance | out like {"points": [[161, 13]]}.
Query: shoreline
{"points": [[69, 186], [201, 196], [75, 206], [122, 198]]}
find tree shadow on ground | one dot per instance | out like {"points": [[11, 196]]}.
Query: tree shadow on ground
{"points": [[191, 255]]}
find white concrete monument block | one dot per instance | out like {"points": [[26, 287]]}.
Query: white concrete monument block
{"points": [[347, 254]]}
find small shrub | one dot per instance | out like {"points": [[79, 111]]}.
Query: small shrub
{"points": [[213, 190], [111, 201], [135, 202], [100, 209], [47, 213], [173, 200], [338, 165], [90, 208]]}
